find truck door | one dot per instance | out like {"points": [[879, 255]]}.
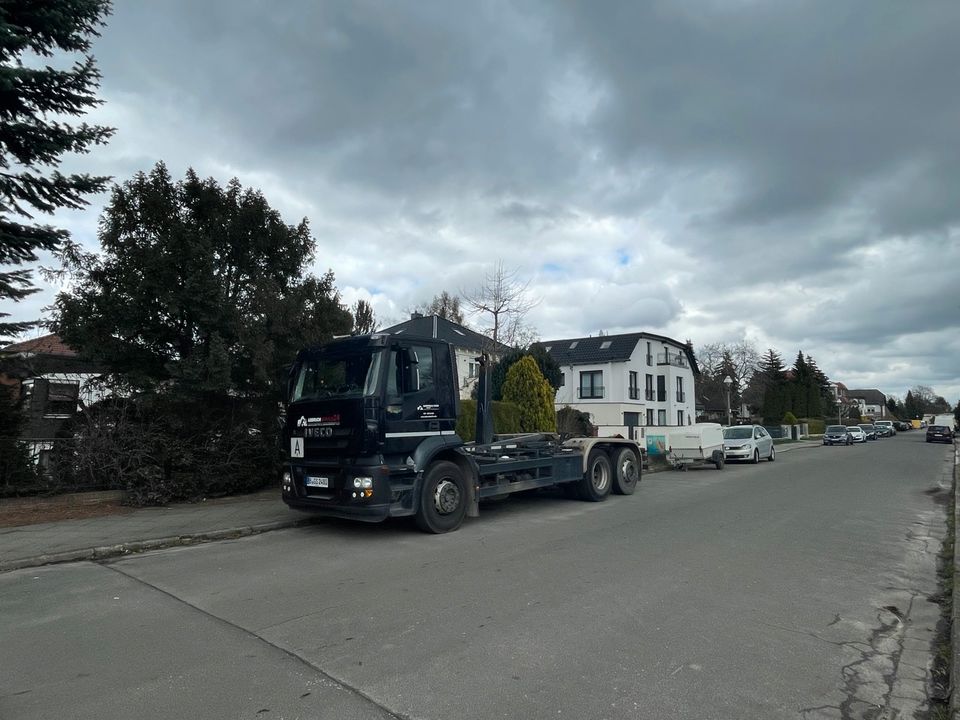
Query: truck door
{"points": [[413, 397]]}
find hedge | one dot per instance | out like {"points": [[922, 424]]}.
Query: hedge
{"points": [[506, 419]]}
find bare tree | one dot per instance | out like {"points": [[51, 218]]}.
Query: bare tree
{"points": [[446, 306], [504, 298]]}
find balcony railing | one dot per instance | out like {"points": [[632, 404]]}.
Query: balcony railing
{"points": [[675, 359], [681, 396], [649, 359], [634, 393], [650, 394], [590, 393]]}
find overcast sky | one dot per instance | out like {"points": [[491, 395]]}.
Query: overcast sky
{"points": [[786, 172]]}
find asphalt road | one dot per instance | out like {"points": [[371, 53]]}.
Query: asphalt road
{"points": [[794, 589]]}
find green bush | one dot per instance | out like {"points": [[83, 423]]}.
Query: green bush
{"points": [[789, 419], [815, 426], [506, 419], [526, 387]]}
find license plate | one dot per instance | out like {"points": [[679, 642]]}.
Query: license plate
{"points": [[318, 482]]}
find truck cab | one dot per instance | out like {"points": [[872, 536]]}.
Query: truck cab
{"points": [[364, 414]]}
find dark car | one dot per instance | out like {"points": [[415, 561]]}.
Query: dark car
{"points": [[837, 435], [869, 430], [939, 433]]}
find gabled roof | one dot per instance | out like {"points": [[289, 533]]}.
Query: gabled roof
{"points": [[869, 396], [607, 348], [44, 345], [434, 326]]}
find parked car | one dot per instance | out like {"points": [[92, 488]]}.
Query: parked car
{"points": [[748, 442], [869, 429], [837, 435], [902, 426], [857, 433], [939, 433], [887, 426]]}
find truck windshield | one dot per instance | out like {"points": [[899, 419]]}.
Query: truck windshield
{"points": [[332, 376]]}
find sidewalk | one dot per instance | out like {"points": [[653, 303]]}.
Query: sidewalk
{"points": [[145, 529], [152, 528]]}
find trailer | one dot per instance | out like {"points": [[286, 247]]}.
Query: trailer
{"points": [[696, 445], [370, 434]]}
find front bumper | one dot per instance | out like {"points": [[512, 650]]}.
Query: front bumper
{"points": [[341, 498], [742, 453]]}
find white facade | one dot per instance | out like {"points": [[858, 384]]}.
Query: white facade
{"points": [[653, 388], [468, 371]]}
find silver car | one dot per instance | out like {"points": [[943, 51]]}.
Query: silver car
{"points": [[857, 433], [748, 442]]}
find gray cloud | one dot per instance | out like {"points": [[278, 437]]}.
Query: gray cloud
{"points": [[709, 170]]}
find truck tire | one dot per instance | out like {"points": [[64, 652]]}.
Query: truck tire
{"points": [[597, 481], [626, 472], [444, 496]]}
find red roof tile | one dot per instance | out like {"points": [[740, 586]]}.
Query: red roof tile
{"points": [[45, 345]]}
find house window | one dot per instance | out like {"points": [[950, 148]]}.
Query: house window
{"points": [[679, 417], [605, 345], [634, 390], [649, 355], [661, 388], [650, 417], [563, 379], [681, 397], [473, 370], [591, 384], [631, 419], [62, 399], [661, 417], [649, 388]]}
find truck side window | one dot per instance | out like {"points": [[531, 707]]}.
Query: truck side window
{"points": [[421, 371]]}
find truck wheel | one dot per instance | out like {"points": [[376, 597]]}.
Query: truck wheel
{"points": [[626, 472], [443, 498], [596, 482]]}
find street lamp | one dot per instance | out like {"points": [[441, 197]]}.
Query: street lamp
{"points": [[728, 381]]}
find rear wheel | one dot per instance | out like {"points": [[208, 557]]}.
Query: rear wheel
{"points": [[443, 498], [597, 480], [773, 454], [626, 472]]}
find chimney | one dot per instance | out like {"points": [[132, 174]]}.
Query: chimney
{"points": [[415, 315]]}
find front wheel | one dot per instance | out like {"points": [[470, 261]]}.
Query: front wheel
{"points": [[756, 456], [626, 472], [596, 482], [443, 498]]}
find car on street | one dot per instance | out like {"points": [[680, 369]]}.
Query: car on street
{"points": [[837, 435], [869, 430], [748, 442], [857, 433], [886, 426], [939, 433]]}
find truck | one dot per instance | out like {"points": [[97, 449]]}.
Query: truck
{"points": [[370, 433]]}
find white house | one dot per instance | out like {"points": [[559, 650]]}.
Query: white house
{"points": [[627, 382], [467, 344], [872, 402]]}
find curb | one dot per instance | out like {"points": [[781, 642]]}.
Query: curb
{"points": [[954, 705], [105, 552]]}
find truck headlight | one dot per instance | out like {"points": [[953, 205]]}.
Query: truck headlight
{"points": [[363, 483]]}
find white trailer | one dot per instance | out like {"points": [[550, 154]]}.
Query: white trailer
{"points": [[696, 444]]}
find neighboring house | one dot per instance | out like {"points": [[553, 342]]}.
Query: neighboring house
{"points": [[49, 378], [627, 382], [467, 344], [873, 403]]}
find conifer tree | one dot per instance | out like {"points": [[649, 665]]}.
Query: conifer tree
{"points": [[35, 98], [526, 388]]}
